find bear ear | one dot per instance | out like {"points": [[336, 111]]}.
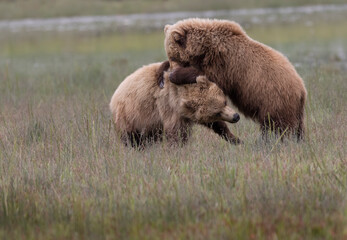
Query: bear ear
{"points": [[179, 37], [167, 26], [203, 80], [160, 75], [188, 104]]}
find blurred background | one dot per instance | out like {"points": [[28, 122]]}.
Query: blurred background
{"points": [[106, 40], [16, 9]]}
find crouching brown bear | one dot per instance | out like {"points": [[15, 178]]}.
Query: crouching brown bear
{"points": [[259, 80], [146, 105]]}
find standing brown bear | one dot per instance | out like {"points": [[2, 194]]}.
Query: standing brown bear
{"points": [[259, 80], [146, 104]]}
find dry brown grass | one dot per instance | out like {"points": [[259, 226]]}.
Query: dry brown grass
{"points": [[64, 173]]}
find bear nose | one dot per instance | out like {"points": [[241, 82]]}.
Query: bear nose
{"points": [[236, 117]]}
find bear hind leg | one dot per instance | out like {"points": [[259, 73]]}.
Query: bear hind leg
{"points": [[134, 139], [300, 133], [272, 127], [177, 133]]}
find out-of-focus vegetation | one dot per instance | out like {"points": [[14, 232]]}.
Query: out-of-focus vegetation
{"points": [[57, 8], [64, 174]]}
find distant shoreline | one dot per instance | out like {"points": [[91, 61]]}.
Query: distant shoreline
{"points": [[158, 20]]}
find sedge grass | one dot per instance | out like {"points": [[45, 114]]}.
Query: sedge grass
{"points": [[64, 174]]}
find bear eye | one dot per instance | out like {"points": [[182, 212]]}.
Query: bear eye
{"points": [[180, 39], [225, 102], [218, 115], [180, 42]]}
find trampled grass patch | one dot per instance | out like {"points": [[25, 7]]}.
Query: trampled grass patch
{"points": [[64, 173]]}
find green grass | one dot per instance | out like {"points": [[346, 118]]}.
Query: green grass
{"points": [[64, 174], [57, 8]]}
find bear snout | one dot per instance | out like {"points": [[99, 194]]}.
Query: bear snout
{"points": [[229, 115], [236, 118]]}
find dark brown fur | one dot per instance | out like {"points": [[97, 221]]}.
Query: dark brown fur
{"points": [[259, 80], [160, 73], [183, 75], [222, 130]]}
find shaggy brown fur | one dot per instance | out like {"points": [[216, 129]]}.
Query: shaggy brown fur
{"points": [[142, 110], [259, 80]]}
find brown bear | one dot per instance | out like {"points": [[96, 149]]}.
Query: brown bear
{"points": [[259, 80], [146, 105]]}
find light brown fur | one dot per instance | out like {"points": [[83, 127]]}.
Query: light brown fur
{"points": [[259, 80], [142, 110]]}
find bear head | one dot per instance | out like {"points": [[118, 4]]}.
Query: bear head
{"points": [[204, 102], [198, 42]]}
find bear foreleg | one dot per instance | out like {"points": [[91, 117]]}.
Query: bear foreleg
{"points": [[222, 130], [177, 133]]}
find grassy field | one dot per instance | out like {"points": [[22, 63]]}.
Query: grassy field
{"points": [[64, 174], [58, 8]]}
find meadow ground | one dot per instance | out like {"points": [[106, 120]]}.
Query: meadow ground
{"points": [[65, 175]]}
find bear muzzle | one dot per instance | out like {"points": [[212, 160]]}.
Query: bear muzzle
{"points": [[229, 115]]}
